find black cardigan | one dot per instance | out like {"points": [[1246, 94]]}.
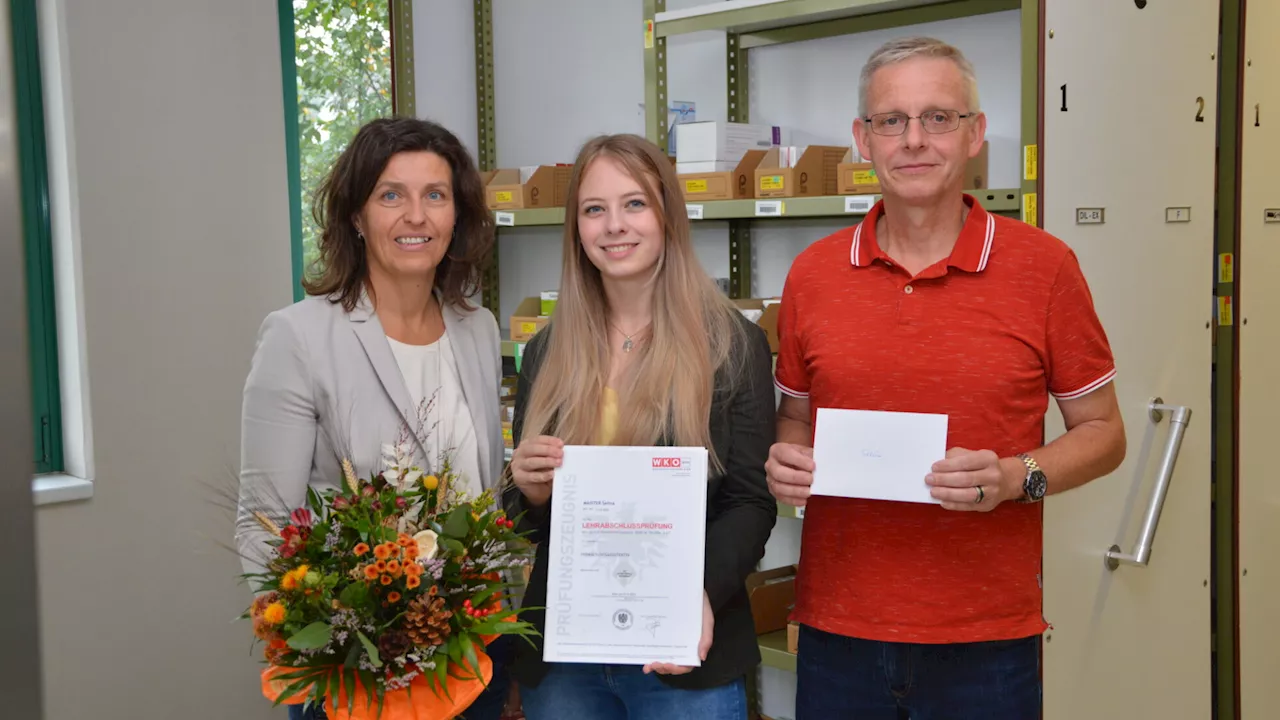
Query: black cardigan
{"points": [[741, 514]]}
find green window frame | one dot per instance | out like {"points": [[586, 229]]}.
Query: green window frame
{"points": [[46, 397]]}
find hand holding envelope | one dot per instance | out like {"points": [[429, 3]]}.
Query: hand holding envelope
{"points": [[896, 456], [877, 455]]}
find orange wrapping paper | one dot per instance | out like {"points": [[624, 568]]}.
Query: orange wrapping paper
{"points": [[425, 704]]}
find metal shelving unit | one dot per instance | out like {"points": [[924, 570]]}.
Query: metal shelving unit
{"points": [[759, 23]]}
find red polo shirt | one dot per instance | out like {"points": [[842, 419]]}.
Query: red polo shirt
{"points": [[984, 336]]}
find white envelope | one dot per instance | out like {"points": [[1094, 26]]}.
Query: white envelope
{"points": [[877, 455]]}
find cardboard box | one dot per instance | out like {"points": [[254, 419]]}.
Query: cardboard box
{"points": [[537, 186], [813, 174], [856, 178], [975, 173], [764, 312], [772, 594], [715, 140], [735, 185], [528, 319]]}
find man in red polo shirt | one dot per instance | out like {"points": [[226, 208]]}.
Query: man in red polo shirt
{"points": [[933, 610]]}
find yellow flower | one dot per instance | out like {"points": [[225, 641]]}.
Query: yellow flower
{"points": [[274, 613], [431, 482]]}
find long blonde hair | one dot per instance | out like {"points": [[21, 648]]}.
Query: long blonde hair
{"points": [[668, 389]]}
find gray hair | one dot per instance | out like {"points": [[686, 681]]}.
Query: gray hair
{"points": [[901, 49]]}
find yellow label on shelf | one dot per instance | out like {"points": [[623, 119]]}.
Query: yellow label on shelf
{"points": [[771, 182], [528, 327], [503, 196], [1030, 161], [865, 177], [648, 34], [1224, 311], [1226, 268], [695, 186], [1029, 208]]}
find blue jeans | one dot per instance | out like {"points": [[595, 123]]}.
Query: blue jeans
{"points": [[486, 707], [624, 692], [842, 677]]}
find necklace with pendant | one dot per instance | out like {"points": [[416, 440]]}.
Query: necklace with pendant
{"points": [[627, 343]]}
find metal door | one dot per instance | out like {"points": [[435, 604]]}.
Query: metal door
{"points": [[1130, 91]]}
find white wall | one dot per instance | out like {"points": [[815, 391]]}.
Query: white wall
{"points": [[558, 83], [176, 125]]}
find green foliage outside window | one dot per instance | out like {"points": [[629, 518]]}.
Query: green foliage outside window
{"points": [[343, 53]]}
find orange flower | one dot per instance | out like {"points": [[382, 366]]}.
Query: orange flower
{"points": [[381, 565], [386, 580], [293, 579], [411, 552], [393, 597], [412, 569], [412, 582], [404, 541], [274, 613], [383, 552], [361, 549], [393, 567], [371, 572]]}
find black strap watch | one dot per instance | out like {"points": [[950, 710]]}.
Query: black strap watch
{"points": [[1035, 483]]}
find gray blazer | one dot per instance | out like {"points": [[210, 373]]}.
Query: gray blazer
{"points": [[324, 385]]}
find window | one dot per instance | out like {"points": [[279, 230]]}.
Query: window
{"points": [[38, 239], [337, 60]]}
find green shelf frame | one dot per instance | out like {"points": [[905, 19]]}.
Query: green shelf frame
{"points": [[773, 651], [999, 200], [787, 14]]}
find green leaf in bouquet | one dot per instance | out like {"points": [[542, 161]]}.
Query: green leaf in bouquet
{"points": [[370, 648], [455, 650], [354, 595], [453, 546], [457, 525], [312, 637], [349, 681], [368, 680], [353, 656], [469, 654], [317, 504], [442, 675], [335, 682]]}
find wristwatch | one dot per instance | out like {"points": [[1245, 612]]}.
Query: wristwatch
{"points": [[1035, 483]]}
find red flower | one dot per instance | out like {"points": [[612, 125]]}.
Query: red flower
{"points": [[341, 503], [293, 540], [302, 517]]}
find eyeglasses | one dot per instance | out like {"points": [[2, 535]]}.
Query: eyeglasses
{"points": [[933, 121]]}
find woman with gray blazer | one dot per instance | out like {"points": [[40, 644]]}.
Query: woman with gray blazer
{"points": [[387, 347]]}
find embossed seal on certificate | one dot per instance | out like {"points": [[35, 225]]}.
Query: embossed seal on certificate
{"points": [[622, 619]]}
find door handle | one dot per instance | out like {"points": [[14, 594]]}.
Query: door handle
{"points": [[1179, 417]]}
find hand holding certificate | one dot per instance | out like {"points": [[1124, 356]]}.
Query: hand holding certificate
{"points": [[626, 553]]}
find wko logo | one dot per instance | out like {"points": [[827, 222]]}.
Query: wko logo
{"points": [[668, 462]]}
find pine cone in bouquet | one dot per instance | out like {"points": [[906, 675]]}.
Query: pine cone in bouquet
{"points": [[427, 620]]}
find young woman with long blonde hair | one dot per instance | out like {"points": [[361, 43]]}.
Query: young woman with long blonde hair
{"points": [[644, 349]]}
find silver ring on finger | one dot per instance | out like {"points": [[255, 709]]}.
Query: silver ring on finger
{"points": [[981, 496]]}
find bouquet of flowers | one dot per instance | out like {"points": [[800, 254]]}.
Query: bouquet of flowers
{"points": [[380, 598]]}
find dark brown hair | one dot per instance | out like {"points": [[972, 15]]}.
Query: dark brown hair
{"points": [[343, 264]]}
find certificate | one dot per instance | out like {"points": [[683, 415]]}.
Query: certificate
{"points": [[625, 560], [876, 455]]}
